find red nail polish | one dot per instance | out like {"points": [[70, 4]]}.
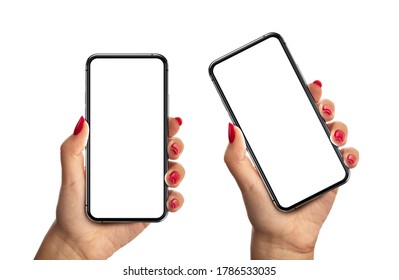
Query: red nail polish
{"points": [[339, 135], [179, 120], [174, 177], [175, 148], [326, 110], [232, 133], [79, 126], [174, 203], [317, 82], [351, 159]]}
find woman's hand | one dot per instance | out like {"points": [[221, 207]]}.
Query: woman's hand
{"points": [[73, 235], [278, 235]]}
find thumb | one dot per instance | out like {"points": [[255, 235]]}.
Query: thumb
{"points": [[240, 165], [72, 160]]}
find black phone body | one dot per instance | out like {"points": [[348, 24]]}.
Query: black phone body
{"points": [[288, 141], [126, 152]]}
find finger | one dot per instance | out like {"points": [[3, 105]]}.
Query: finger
{"points": [[327, 109], [175, 148], [315, 90], [339, 133], [351, 156], [72, 160], [240, 165], [174, 126], [175, 174], [175, 201]]}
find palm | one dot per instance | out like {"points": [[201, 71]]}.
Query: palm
{"points": [[99, 241], [300, 226]]}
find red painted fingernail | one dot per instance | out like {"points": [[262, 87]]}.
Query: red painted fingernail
{"points": [[317, 82], [174, 177], [232, 133], [175, 148], [174, 203], [339, 135], [79, 126], [326, 110], [351, 159], [179, 120]]}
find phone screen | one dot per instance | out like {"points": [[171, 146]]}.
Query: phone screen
{"points": [[126, 108], [289, 143]]}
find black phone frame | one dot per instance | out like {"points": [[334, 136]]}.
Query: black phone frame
{"points": [[311, 100], [165, 133]]}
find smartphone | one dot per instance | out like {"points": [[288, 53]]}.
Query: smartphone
{"points": [[126, 153], [288, 141]]}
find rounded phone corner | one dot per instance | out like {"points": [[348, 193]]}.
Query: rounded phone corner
{"points": [[162, 217], [347, 175], [273, 34], [283, 208], [344, 180], [160, 57], [212, 67], [91, 217], [91, 58]]}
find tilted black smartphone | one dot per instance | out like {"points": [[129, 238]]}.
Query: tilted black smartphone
{"points": [[288, 141], [126, 153]]}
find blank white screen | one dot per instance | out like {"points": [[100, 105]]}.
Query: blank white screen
{"points": [[126, 132]]}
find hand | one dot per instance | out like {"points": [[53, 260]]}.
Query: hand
{"points": [[278, 235], [73, 235]]}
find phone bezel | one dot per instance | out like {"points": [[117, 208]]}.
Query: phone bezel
{"points": [[314, 106], [165, 133]]}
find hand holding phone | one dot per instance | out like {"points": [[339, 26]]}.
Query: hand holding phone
{"points": [[73, 235], [265, 95], [277, 234]]}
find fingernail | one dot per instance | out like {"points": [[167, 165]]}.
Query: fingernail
{"points": [[174, 203], [317, 82], [232, 133], [351, 159], [79, 126], [175, 148], [174, 177], [339, 135], [326, 110], [179, 120]]}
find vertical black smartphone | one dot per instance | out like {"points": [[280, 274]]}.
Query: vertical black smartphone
{"points": [[288, 141], [126, 153]]}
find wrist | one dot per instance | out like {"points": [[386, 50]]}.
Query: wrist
{"points": [[56, 247], [264, 247]]}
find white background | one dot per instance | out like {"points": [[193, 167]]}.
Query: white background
{"points": [[351, 48]]}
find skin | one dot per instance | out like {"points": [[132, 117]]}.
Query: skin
{"points": [[275, 235], [278, 235], [73, 235]]}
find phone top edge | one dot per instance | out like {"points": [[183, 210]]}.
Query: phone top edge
{"points": [[126, 55], [243, 48], [214, 63]]}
